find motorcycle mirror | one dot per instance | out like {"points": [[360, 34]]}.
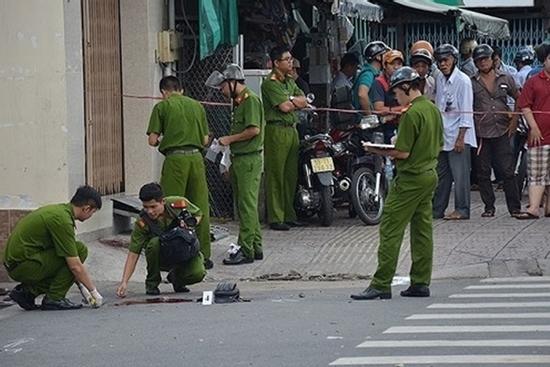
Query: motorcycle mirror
{"points": [[310, 97]]}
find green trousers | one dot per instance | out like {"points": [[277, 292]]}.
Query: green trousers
{"points": [[409, 201], [281, 172], [246, 173], [185, 175], [47, 273], [191, 272]]}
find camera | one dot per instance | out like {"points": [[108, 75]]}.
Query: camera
{"points": [[187, 218]]}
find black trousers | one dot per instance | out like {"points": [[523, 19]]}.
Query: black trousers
{"points": [[497, 153]]}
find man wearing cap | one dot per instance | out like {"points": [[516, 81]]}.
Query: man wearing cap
{"points": [[419, 141], [421, 61], [246, 140], [281, 99], [179, 129]]}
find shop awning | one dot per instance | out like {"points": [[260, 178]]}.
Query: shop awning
{"points": [[219, 24], [359, 9], [484, 25]]}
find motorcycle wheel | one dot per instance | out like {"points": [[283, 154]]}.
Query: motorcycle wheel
{"points": [[362, 196], [326, 212]]}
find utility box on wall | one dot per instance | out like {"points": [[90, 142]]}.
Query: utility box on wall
{"points": [[169, 43]]}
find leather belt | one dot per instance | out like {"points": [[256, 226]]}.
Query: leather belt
{"points": [[183, 152]]}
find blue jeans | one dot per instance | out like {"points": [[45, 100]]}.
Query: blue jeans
{"points": [[453, 167]]}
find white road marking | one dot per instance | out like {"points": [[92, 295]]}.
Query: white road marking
{"points": [[500, 295], [490, 305], [516, 279], [456, 343], [509, 286], [444, 359], [467, 329], [466, 316]]}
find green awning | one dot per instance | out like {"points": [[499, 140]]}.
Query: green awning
{"points": [[358, 9], [219, 24], [482, 24]]}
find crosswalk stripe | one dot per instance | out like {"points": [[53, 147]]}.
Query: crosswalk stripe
{"points": [[515, 279], [509, 286], [490, 305], [467, 329], [455, 343], [445, 359], [466, 316], [500, 295]]}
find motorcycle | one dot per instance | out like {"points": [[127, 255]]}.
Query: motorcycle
{"points": [[359, 175], [520, 153], [315, 166]]}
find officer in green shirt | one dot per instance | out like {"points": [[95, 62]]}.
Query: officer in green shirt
{"points": [[43, 254], [246, 141], [281, 98], [419, 141], [178, 127], [162, 211]]}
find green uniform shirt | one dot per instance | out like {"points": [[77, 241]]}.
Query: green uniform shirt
{"points": [[181, 121], [275, 92], [249, 113], [421, 134], [52, 226], [141, 234]]}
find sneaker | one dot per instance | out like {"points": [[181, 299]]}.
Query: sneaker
{"points": [[237, 258]]}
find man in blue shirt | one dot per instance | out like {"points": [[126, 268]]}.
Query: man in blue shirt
{"points": [[360, 94]]}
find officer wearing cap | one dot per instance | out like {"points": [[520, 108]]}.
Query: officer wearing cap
{"points": [[178, 127], [419, 141], [371, 69], [246, 140], [160, 211], [281, 99]]}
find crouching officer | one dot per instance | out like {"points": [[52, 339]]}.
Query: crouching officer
{"points": [[43, 254], [160, 214], [419, 141], [246, 140]]}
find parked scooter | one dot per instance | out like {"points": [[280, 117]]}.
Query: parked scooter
{"points": [[360, 176], [520, 153]]}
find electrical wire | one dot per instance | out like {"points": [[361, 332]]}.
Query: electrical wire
{"points": [[186, 20]]}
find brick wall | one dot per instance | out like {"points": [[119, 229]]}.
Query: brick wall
{"points": [[8, 220]]}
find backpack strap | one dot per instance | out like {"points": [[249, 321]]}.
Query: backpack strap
{"points": [[153, 226]]}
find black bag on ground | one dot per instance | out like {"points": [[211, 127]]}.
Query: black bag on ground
{"points": [[226, 292]]}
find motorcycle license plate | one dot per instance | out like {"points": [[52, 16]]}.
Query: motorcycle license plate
{"points": [[322, 164]]}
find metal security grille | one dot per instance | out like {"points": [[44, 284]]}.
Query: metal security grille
{"points": [[102, 95]]}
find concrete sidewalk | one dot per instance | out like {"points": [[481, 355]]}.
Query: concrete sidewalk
{"points": [[479, 247]]}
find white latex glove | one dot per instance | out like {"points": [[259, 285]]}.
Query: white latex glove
{"points": [[96, 300]]}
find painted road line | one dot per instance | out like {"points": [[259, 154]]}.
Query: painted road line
{"points": [[500, 295], [490, 305], [466, 316], [445, 359], [467, 329], [509, 286], [455, 343], [516, 279]]}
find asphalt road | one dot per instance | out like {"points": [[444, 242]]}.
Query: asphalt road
{"points": [[296, 324]]}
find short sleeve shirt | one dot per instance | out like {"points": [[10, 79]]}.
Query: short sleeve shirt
{"points": [[49, 227], [536, 96], [421, 135], [249, 113], [275, 92], [181, 121], [141, 233], [366, 78]]}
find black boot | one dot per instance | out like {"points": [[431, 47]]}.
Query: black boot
{"points": [[59, 305], [416, 290], [371, 293], [23, 298]]}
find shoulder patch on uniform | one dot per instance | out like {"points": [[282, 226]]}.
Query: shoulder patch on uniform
{"points": [[180, 204]]}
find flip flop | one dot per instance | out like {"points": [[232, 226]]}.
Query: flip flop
{"points": [[454, 216], [488, 214], [525, 216]]}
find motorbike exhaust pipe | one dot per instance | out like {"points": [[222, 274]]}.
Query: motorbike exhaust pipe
{"points": [[344, 184], [307, 172], [377, 187]]}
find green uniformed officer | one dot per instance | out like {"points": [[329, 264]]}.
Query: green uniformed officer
{"points": [[246, 141], [181, 121], [162, 211], [419, 141], [43, 254], [281, 98]]}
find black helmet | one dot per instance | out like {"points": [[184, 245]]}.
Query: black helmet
{"points": [[406, 74], [525, 55], [421, 54], [482, 51], [446, 50], [374, 49]]}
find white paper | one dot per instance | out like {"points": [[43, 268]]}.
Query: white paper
{"points": [[216, 148]]}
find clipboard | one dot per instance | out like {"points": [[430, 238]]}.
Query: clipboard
{"points": [[378, 146]]}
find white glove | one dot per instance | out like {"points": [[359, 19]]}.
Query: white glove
{"points": [[96, 300]]}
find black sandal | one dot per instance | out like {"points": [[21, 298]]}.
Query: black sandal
{"points": [[488, 213]]}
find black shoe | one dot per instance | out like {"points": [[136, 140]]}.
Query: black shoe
{"points": [[258, 256], [152, 291], [416, 291], [371, 293], [279, 226], [23, 298], [177, 287], [237, 259], [208, 264], [60, 305], [295, 223]]}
